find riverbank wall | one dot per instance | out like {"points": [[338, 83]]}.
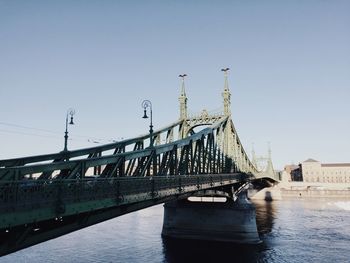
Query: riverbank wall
{"points": [[315, 193], [300, 190]]}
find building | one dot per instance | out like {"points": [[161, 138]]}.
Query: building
{"points": [[293, 172], [315, 172]]}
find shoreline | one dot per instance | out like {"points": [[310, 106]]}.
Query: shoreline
{"points": [[281, 192], [314, 193], [314, 190]]}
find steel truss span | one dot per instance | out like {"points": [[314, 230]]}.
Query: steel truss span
{"points": [[45, 196]]}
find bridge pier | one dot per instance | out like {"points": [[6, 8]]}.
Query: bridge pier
{"points": [[230, 221]]}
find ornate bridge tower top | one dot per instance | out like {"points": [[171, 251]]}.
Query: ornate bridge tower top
{"points": [[204, 117], [183, 99], [226, 94]]}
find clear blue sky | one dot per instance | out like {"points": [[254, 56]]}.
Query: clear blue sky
{"points": [[289, 78]]}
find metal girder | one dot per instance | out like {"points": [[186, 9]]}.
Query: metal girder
{"points": [[215, 149], [127, 176], [53, 228], [203, 152], [15, 162], [64, 197]]}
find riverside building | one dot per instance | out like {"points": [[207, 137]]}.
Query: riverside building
{"points": [[315, 172]]}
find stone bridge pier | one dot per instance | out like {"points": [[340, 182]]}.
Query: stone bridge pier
{"points": [[212, 218]]}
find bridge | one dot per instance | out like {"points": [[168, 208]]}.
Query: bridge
{"points": [[46, 196]]}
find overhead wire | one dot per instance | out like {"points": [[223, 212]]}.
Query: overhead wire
{"points": [[26, 127], [30, 134], [89, 139]]}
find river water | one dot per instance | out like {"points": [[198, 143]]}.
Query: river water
{"points": [[301, 230]]}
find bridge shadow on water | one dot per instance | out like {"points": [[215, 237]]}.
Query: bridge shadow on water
{"points": [[181, 250], [265, 216]]}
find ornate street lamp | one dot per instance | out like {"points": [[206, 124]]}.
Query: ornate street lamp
{"points": [[182, 76], [225, 70], [147, 104], [71, 113]]}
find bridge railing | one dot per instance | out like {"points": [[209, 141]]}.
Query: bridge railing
{"points": [[203, 152], [144, 158], [34, 193], [81, 152], [18, 198]]}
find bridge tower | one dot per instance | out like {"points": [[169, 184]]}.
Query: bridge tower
{"points": [[183, 108], [228, 142], [269, 168], [226, 94], [183, 99]]}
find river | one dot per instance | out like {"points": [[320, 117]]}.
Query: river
{"points": [[301, 230]]}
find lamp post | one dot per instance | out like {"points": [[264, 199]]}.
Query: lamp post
{"points": [[71, 113], [147, 104], [225, 70], [183, 77]]}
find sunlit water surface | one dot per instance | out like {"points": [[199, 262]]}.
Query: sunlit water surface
{"points": [[311, 230]]}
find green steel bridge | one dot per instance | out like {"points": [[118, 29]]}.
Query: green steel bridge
{"points": [[46, 196]]}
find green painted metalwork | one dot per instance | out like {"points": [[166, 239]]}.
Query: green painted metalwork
{"points": [[49, 195], [27, 202]]}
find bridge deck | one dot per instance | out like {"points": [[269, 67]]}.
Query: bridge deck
{"points": [[25, 202], [33, 211]]}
